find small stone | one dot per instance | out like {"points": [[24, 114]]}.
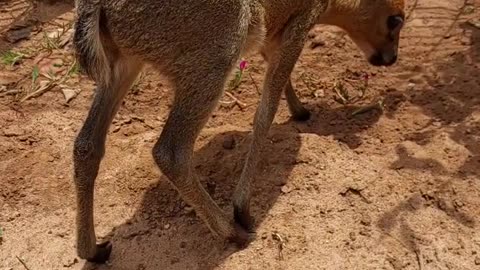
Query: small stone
{"points": [[229, 143], [416, 201], [311, 35], [286, 189], [444, 205], [474, 23], [353, 237], [459, 203], [18, 33], [13, 131], [13, 217], [70, 263], [469, 9], [396, 264], [477, 261], [415, 80], [317, 42], [69, 94], [319, 93], [189, 210], [366, 220], [166, 226], [365, 232]]}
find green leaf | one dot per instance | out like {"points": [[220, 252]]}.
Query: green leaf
{"points": [[11, 58], [35, 74]]}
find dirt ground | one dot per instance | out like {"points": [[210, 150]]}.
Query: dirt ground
{"points": [[392, 188]]}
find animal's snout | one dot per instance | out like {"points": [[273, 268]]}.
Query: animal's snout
{"points": [[383, 58]]}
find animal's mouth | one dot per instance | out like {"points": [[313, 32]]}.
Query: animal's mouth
{"points": [[379, 59]]}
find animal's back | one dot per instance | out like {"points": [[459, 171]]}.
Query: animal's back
{"points": [[165, 30]]}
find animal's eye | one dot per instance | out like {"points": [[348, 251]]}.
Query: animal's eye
{"points": [[393, 22]]}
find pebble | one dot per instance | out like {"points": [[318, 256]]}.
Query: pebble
{"points": [[317, 42], [70, 263], [229, 143], [286, 189], [13, 131], [366, 220], [353, 237], [189, 210]]}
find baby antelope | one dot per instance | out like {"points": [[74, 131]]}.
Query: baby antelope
{"points": [[196, 44]]}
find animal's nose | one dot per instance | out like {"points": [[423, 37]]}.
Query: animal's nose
{"points": [[383, 59], [391, 61]]}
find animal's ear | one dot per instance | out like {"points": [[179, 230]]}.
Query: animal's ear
{"points": [[395, 22]]}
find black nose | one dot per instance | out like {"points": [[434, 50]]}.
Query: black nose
{"points": [[392, 61], [378, 60]]}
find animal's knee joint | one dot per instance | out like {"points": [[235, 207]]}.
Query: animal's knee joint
{"points": [[169, 160]]}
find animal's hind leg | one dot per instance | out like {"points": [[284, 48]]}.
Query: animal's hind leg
{"points": [[196, 95], [298, 112], [88, 151], [280, 65], [295, 106]]}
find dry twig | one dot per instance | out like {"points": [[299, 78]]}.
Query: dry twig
{"points": [[22, 262]]}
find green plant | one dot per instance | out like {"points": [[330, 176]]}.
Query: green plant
{"points": [[343, 96], [11, 58], [35, 75], [75, 69], [52, 80], [237, 80], [51, 43]]}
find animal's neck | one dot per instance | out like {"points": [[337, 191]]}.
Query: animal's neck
{"points": [[338, 10]]}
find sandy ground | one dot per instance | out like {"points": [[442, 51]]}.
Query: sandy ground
{"points": [[395, 188]]}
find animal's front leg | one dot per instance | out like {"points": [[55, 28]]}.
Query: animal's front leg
{"points": [[289, 44]]}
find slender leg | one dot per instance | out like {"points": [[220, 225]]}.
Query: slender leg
{"points": [[88, 151], [281, 64], [299, 113], [195, 97]]}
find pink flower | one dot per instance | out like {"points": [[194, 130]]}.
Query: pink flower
{"points": [[243, 65]]}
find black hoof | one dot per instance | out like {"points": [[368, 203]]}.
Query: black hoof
{"points": [[301, 116], [242, 237], [244, 219], [102, 254]]}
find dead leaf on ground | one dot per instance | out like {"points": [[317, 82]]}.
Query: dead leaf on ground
{"points": [[69, 93]]}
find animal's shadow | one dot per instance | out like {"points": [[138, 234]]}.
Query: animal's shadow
{"points": [[164, 233], [452, 97]]}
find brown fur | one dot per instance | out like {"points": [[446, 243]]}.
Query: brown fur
{"points": [[195, 44]]}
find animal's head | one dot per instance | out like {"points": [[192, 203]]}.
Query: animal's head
{"points": [[374, 25]]}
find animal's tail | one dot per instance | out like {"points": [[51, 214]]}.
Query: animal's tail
{"points": [[87, 40]]}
